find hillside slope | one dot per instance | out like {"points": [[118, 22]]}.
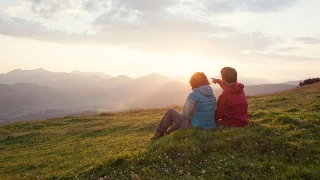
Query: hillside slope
{"points": [[281, 142]]}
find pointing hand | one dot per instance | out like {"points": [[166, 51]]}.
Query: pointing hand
{"points": [[214, 80]]}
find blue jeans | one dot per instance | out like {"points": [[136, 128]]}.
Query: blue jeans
{"points": [[174, 120]]}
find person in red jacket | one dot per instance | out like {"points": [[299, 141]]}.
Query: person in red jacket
{"points": [[232, 105]]}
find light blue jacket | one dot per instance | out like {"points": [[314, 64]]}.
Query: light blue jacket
{"points": [[200, 107]]}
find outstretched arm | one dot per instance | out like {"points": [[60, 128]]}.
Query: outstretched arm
{"points": [[222, 85], [219, 81]]}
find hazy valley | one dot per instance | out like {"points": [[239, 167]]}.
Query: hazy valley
{"points": [[40, 94]]}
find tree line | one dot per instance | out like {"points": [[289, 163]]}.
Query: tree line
{"points": [[309, 81]]}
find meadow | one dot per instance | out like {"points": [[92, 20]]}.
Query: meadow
{"points": [[281, 142]]}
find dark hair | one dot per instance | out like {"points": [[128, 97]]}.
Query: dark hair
{"points": [[198, 79], [229, 74]]}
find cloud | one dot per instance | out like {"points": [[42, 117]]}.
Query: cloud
{"points": [[175, 26], [269, 56], [256, 6], [309, 40], [12, 10], [52, 9], [147, 5], [8, 10], [207, 6], [153, 33], [156, 26], [140, 5], [95, 5], [20, 27], [24, 28], [90, 6], [166, 31], [287, 49], [163, 31], [169, 35]]}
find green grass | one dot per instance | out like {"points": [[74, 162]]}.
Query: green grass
{"points": [[281, 142]]}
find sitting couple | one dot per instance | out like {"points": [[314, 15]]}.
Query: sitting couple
{"points": [[201, 108]]}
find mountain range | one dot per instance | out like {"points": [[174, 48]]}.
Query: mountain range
{"points": [[40, 94]]}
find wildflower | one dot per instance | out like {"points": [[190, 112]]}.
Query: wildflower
{"points": [[272, 152], [181, 171], [272, 168], [203, 171]]}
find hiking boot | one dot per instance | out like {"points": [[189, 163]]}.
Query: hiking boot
{"points": [[157, 136]]}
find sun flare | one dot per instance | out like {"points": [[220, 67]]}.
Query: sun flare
{"points": [[187, 64]]}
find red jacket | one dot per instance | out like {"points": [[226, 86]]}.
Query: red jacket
{"points": [[232, 105]]}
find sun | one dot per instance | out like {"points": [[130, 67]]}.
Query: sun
{"points": [[186, 64]]}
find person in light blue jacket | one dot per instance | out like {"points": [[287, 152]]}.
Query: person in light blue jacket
{"points": [[198, 110]]}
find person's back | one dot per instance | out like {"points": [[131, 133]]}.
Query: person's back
{"points": [[202, 101], [232, 105]]}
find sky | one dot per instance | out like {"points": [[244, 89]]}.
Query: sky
{"points": [[274, 39]]}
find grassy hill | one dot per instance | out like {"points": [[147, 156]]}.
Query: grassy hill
{"points": [[281, 142]]}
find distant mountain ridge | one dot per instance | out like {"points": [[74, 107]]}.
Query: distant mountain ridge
{"points": [[100, 74], [44, 77], [39, 94], [60, 80], [24, 94]]}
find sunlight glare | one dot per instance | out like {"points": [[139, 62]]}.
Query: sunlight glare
{"points": [[186, 64]]}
